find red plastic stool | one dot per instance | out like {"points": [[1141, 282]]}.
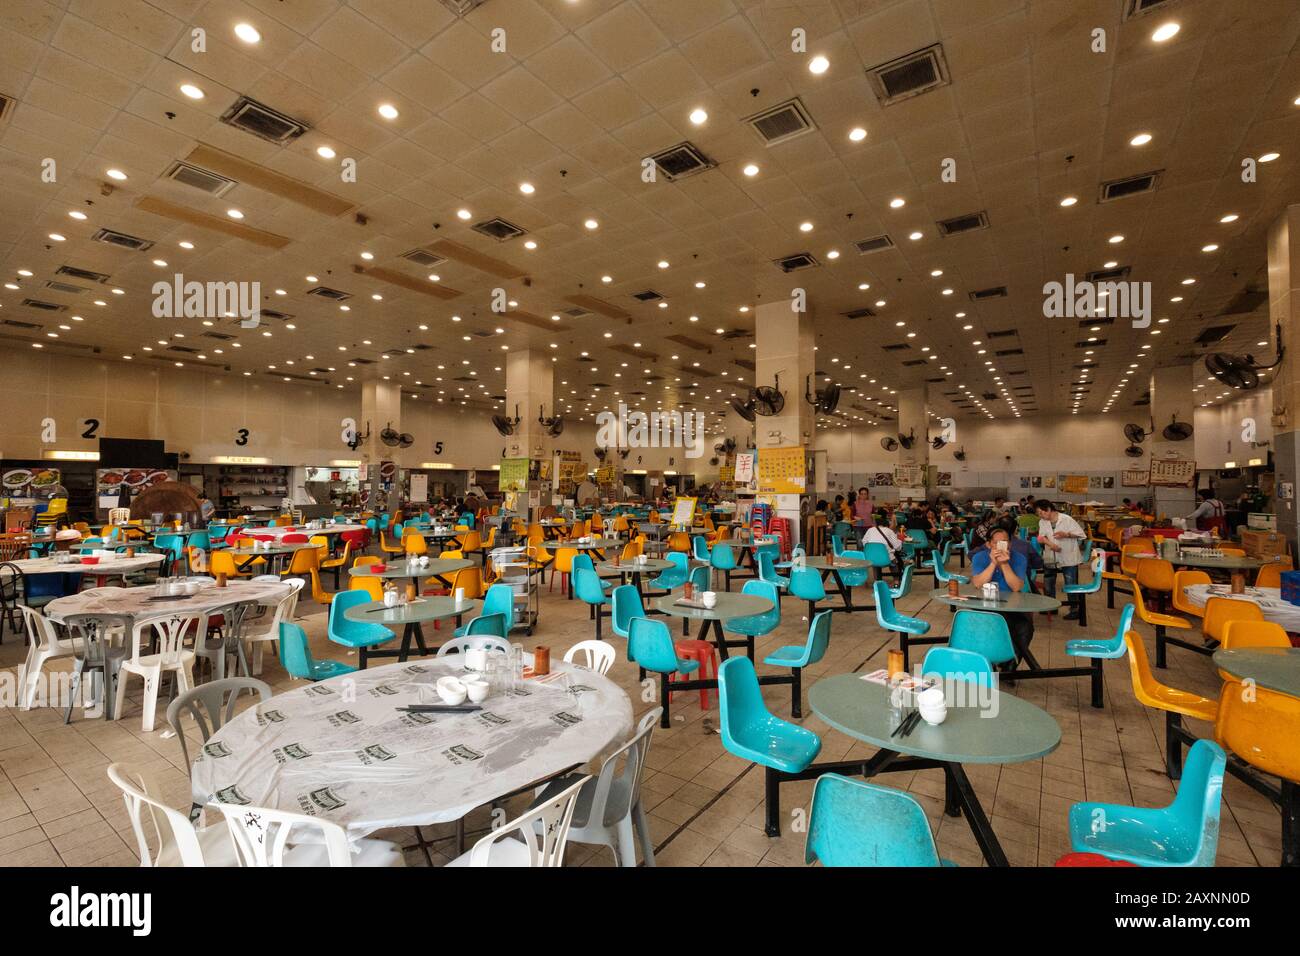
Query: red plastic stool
{"points": [[707, 655], [1090, 859]]}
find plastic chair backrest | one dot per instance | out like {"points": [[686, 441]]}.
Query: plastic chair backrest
{"points": [[262, 835], [627, 605], [904, 584], [758, 625], [767, 568], [295, 652], [1155, 573], [500, 599], [722, 556], [488, 639], [337, 624], [877, 554], [806, 584], [858, 823], [544, 829], [1240, 633], [1261, 728], [651, 646], [586, 585], [495, 625], [700, 548], [175, 834], [1220, 610], [984, 633], [950, 663], [699, 578], [211, 706], [1270, 575]]}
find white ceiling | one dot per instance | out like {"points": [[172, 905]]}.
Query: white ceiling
{"points": [[584, 90]]}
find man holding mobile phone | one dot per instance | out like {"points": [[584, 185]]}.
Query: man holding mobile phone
{"points": [[1061, 538], [998, 563]]}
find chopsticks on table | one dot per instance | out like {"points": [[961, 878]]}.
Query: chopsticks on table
{"points": [[908, 724]]}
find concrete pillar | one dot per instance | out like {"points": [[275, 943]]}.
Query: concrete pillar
{"points": [[381, 407], [530, 385], [914, 418], [1284, 309], [787, 342], [1172, 398]]}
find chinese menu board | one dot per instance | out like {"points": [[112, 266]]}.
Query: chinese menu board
{"points": [[112, 482], [1074, 484], [514, 474], [30, 482], [1172, 472], [1135, 478], [783, 471], [908, 476]]}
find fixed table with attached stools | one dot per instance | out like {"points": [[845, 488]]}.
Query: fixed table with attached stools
{"points": [[410, 616], [414, 571]]}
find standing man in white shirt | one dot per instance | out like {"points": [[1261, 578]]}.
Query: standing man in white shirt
{"points": [[1061, 538]]}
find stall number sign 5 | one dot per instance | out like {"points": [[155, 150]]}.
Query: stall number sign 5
{"points": [[437, 448], [241, 437]]}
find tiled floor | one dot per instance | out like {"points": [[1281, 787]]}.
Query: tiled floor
{"points": [[57, 806]]}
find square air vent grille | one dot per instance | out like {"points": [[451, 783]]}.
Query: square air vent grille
{"points": [[499, 229], [960, 224], [209, 182], [997, 292], [875, 244], [781, 123], [262, 121], [461, 7], [859, 314], [800, 260], [897, 347], [44, 306], [422, 258], [327, 293], [1130, 186], [1108, 275], [67, 287], [1215, 333], [682, 160], [114, 238], [1136, 8], [276, 315], [73, 272], [6, 106], [910, 75], [649, 295]]}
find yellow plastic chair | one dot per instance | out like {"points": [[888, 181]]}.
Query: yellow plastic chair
{"points": [[248, 543], [630, 551], [372, 585], [1234, 552], [471, 542], [1132, 552], [538, 557], [595, 524], [1262, 727], [387, 546], [1161, 621], [1270, 575], [679, 541], [620, 524], [222, 563], [490, 541], [366, 560], [338, 564], [1185, 579], [1156, 575], [471, 580], [1176, 703], [415, 544], [454, 554], [322, 548], [563, 565], [305, 562], [1220, 610], [1240, 633]]}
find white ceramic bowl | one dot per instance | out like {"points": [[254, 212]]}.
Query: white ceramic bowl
{"points": [[477, 690], [710, 599], [934, 716], [452, 690]]}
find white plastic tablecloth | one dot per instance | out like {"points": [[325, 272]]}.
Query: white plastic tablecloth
{"points": [[278, 533], [112, 565], [340, 749], [136, 603], [1269, 601]]}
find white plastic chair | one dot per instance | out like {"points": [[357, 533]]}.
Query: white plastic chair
{"points": [[610, 803], [259, 631], [211, 706], [178, 842], [536, 838], [172, 656], [44, 644], [261, 837], [596, 656], [459, 645]]}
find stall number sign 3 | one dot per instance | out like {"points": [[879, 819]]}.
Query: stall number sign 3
{"points": [[241, 438]]}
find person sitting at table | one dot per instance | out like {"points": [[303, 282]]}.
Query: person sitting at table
{"points": [[998, 563]]}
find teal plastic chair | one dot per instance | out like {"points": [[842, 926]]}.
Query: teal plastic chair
{"points": [[723, 558], [700, 548], [798, 656], [626, 606], [500, 599], [674, 576], [806, 584], [485, 625], [372, 526], [984, 633], [217, 533], [1098, 650], [837, 545], [583, 560], [651, 646], [910, 630], [586, 587], [466, 519], [767, 570], [757, 625], [904, 587], [361, 635], [853, 577], [877, 555], [1185, 833], [295, 656], [172, 545], [941, 573], [950, 663], [201, 539], [1080, 592], [784, 750], [857, 823]]}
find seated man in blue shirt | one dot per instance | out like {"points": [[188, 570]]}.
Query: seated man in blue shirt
{"points": [[998, 563]]}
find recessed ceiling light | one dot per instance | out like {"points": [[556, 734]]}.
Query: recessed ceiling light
{"points": [[1116, 239], [805, 227], [247, 32], [161, 263], [192, 91], [1230, 217], [115, 174], [1141, 139], [57, 237], [527, 188], [324, 152], [530, 244], [818, 65], [857, 134], [699, 285], [607, 279], [914, 236], [234, 214], [833, 254], [1189, 282], [463, 214], [25, 272], [592, 224], [1109, 265], [185, 244], [434, 277], [1165, 31], [663, 263], [1210, 248], [77, 214], [367, 255], [388, 111], [698, 116], [864, 286], [750, 170], [1069, 200], [897, 203], [1269, 157]]}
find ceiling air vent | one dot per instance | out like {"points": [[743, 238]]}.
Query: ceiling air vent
{"points": [[898, 347], [44, 306], [65, 287], [649, 295], [874, 244], [781, 123], [1246, 301], [1129, 186], [423, 258], [967, 223], [1136, 8], [209, 182], [1001, 353], [6, 106], [1108, 275], [219, 336], [184, 349], [577, 312], [859, 314], [997, 292], [122, 239], [1096, 320], [274, 314], [738, 334], [800, 260], [915, 362], [1215, 333], [682, 160], [18, 324], [327, 293], [461, 7], [262, 121], [1001, 333], [74, 273], [499, 229], [1092, 344], [909, 75]]}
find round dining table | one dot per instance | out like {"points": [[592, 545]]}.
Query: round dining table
{"points": [[834, 565], [414, 571], [983, 725], [107, 566], [410, 616], [728, 607], [143, 604], [1275, 668], [634, 569], [344, 749], [1225, 562], [1269, 601]]}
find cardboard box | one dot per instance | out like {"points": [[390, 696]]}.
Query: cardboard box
{"points": [[1264, 544]]}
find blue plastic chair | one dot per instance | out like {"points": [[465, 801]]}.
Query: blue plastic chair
{"points": [[651, 646], [984, 633], [500, 599], [361, 635], [877, 555], [1185, 833], [1080, 592], [910, 630], [757, 625], [700, 548], [853, 577], [750, 731], [295, 656], [857, 823], [806, 584], [217, 533], [723, 558], [587, 588], [583, 560], [626, 607], [941, 573], [950, 663], [172, 545], [494, 625], [466, 519], [675, 576], [798, 656], [904, 587], [1098, 650], [201, 539], [767, 570]]}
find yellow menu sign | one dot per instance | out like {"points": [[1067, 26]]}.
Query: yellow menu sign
{"points": [[782, 471], [514, 474], [1074, 484]]}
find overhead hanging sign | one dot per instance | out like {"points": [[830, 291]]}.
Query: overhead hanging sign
{"points": [[744, 468]]}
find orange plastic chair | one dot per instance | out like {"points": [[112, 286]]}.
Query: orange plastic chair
{"points": [[372, 585], [1160, 622], [1156, 575], [306, 562], [1270, 575], [471, 580], [563, 564], [1245, 633], [338, 564], [366, 560], [1176, 703], [1233, 552], [415, 543], [1130, 553], [679, 541], [1185, 579], [630, 551], [595, 523], [222, 563], [1220, 610], [471, 542], [1262, 727]]}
